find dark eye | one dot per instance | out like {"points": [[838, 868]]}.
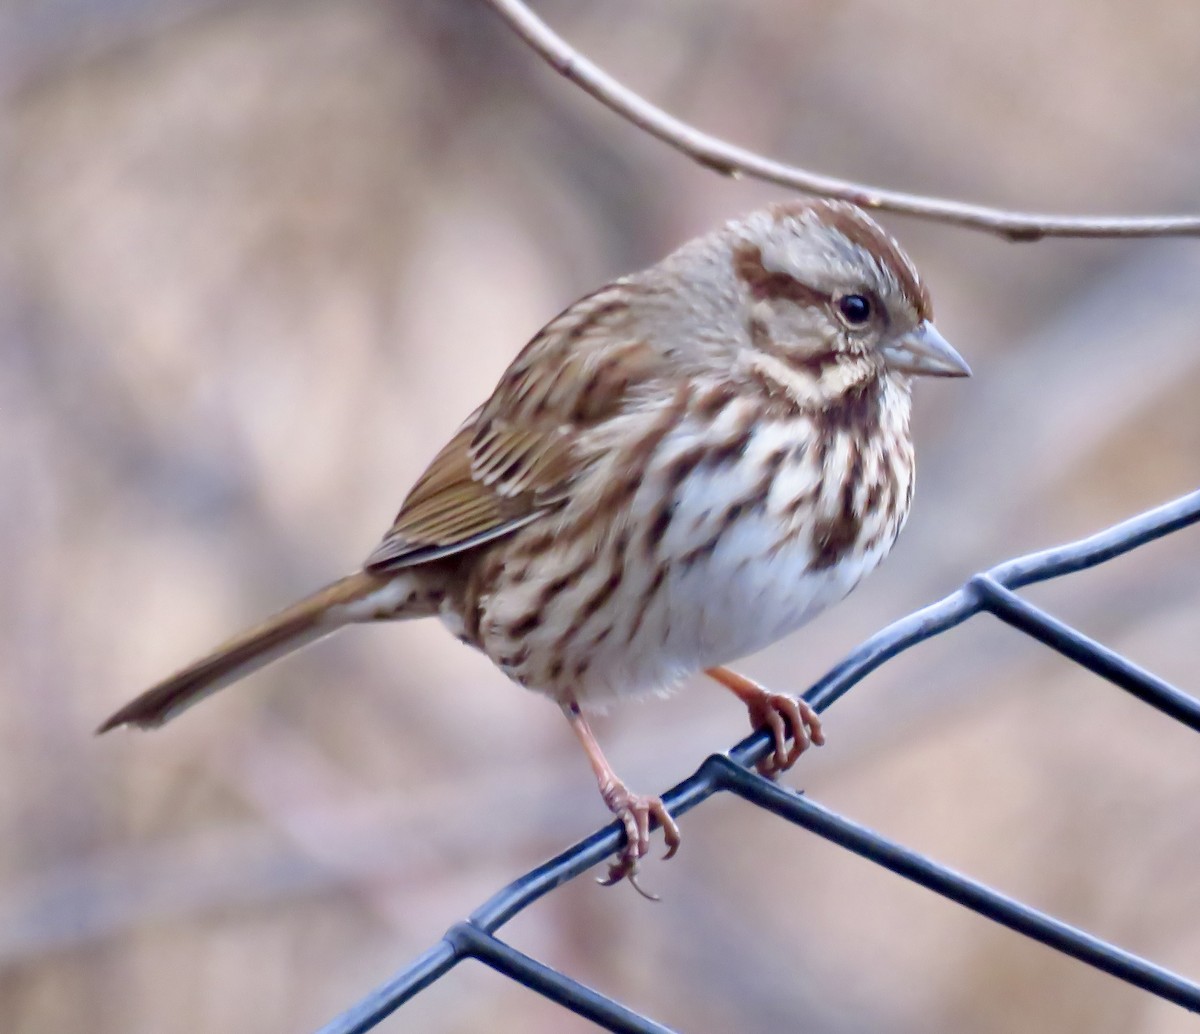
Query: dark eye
{"points": [[855, 309]]}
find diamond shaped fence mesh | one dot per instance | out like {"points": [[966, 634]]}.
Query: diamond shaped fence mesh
{"points": [[993, 592]]}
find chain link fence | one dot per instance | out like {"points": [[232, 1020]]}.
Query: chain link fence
{"points": [[992, 592]]}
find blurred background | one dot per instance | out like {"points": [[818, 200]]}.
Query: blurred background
{"points": [[257, 260]]}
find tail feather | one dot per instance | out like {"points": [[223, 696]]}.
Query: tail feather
{"points": [[313, 618]]}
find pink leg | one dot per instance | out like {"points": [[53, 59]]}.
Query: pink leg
{"points": [[634, 810]]}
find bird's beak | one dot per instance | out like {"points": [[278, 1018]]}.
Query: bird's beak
{"points": [[925, 353]]}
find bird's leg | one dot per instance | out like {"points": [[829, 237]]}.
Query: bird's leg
{"points": [[634, 810], [777, 712]]}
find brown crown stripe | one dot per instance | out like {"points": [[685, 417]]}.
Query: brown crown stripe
{"points": [[764, 284], [860, 229]]}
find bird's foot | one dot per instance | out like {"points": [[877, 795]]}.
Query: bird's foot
{"points": [[635, 811], [780, 714]]}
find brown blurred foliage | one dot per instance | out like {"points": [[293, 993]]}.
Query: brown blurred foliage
{"points": [[257, 260]]}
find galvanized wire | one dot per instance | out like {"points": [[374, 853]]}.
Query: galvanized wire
{"points": [[992, 592]]}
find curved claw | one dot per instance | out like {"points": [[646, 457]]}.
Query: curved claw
{"points": [[622, 869], [670, 831], [635, 812]]}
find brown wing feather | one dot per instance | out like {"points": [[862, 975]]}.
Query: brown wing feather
{"points": [[515, 457]]}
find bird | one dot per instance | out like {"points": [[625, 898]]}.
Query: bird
{"points": [[678, 470]]}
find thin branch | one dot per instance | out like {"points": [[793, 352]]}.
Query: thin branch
{"points": [[731, 160]]}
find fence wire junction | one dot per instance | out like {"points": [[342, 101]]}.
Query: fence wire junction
{"points": [[992, 592]]}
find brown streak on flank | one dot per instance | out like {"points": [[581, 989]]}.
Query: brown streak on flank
{"points": [[701, 552], [525, 625], [481, 584], [683, 465], [644, 605], [616, 496], [563, 582], [536, 544], [658, 527], [733, 513], [765, 285], [594, 603], [761, 492], [598, 599]]}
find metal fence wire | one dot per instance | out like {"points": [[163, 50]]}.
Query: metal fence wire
{"points": [[992, 592]]}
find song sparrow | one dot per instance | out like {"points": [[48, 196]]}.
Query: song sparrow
{"points": [[678, 470]]}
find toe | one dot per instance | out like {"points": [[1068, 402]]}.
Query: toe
{"points": [[800, 735], [671, 835], [813, 721]]}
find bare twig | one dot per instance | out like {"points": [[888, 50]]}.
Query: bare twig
{"points": [[730, 160]]}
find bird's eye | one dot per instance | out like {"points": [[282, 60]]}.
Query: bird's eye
{"points": [[855, 309]]}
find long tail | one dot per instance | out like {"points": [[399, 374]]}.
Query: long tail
{"points": [[357, 597]]}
